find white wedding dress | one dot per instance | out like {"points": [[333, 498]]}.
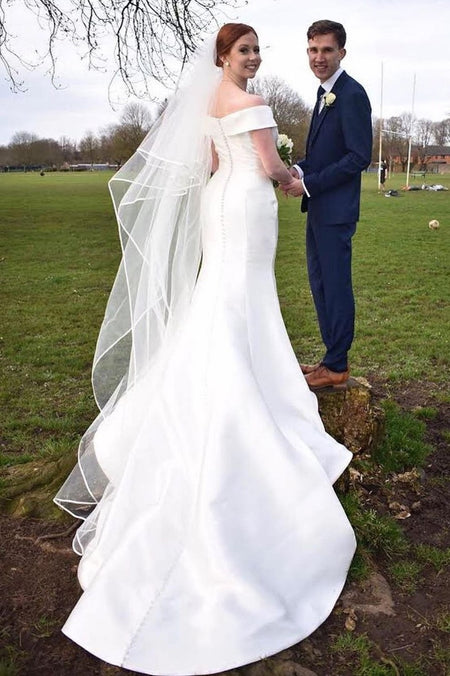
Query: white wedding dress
{"points": [[220, 540]]}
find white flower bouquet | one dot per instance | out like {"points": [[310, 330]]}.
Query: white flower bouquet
{"points": [[285, 145]]}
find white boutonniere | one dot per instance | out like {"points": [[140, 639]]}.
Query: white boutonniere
{"points": [[329, 99]]}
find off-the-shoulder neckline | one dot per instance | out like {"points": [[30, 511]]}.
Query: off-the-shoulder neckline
{"points": [[260, 105]]}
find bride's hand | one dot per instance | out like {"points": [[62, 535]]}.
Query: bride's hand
{"points": [[294, 188]]}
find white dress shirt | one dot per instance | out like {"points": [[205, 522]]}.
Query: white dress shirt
{"points": [[328, 86]]}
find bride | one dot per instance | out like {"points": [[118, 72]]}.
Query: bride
{"points": [[211, 534]]}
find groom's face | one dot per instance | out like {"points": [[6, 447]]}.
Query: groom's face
{"points": [[324, 55]]}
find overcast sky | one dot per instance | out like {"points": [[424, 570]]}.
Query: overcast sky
{"points": [[408, 36]]}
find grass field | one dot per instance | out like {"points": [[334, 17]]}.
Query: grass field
{"points": [[59, 257], [401, 282], [59, 253]]}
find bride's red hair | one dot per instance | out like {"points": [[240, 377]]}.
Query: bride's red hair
{"points": [[227, 36]]}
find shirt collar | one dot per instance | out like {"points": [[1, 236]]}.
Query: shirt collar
{"points": [[329, 84]]}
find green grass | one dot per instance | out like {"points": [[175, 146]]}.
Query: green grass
{"points": [[438, 558], [60, 246], [367, 659], [358, 651], [11, 657], [416, 669], [425, 412], [442, 621], [401, 282], [375, 533], [446, 435], [44, 627], [60, 252], [8, 667], [405, 575], [403, 446], [361, 566]]}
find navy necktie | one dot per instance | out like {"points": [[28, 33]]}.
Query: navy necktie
{"points": [[315, 117], [320, 93]]}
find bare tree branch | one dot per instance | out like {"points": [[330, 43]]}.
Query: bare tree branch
{"points": [[397, 130], [151, 39], [441, 132]]}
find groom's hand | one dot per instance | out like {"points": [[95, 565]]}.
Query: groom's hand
{"points": [[294, 189]]}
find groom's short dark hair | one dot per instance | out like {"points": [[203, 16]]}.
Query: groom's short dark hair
{"points": [[325, 26]]}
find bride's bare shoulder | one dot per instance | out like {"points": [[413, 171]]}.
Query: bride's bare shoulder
{"points": [[227, 104], [254, 100], [248, 101]]}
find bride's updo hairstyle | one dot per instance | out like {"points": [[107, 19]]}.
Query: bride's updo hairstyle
{"points": [[227, 36]]}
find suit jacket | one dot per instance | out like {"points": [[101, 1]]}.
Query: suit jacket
{"points": [[337, 151]]}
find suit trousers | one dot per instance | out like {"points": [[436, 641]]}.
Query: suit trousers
{"points": [[329, 260]]}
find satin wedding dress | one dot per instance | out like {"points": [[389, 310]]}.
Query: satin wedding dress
{"points": [[221, 540]]}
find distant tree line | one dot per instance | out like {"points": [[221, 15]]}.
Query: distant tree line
{"points": [[115, 144]]}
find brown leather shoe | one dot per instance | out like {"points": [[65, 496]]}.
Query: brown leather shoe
{"points": [[309, 368], [323, 377]]}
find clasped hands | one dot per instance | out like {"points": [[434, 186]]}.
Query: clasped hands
{"points": [[295, 187]]}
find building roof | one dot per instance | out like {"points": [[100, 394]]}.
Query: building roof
{"points": [[437, 150]]}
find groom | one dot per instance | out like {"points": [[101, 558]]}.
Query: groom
{"points": [[338, 148]]}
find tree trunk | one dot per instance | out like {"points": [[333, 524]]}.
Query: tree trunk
{"points": [[351, 415]]}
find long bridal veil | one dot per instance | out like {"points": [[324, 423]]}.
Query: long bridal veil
{"points": [[156, 197]]}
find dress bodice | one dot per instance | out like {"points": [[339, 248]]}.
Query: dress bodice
{"points": [[232, 140]]}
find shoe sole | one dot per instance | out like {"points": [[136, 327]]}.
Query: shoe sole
{"points": [[341, 386]]}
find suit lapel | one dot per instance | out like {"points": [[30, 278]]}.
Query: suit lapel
{"points": [[317, 123], [319, 120], [314, 123], [315, 113]]}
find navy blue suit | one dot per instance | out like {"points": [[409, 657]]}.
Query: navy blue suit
{"points": [[338, 149]]}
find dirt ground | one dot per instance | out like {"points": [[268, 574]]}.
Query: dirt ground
{"points": [[38, 588]]}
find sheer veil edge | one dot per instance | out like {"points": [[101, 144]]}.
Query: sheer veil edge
{"points": [[156, 197]]}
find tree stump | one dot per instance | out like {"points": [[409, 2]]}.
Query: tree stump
{"points": [[351, 416], [29, 489]]}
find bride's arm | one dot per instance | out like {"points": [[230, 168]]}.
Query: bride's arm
{"points": [[273, 166]]}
